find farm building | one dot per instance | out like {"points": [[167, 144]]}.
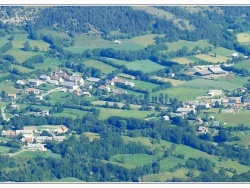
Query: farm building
{"points": [[131, 84], [166, 118], [39, 97], [102, 87], [57, 78], [14, 107], [28, 140], [31, 128], [92, 79], [59, 138], [42, 139], [185, 110], [117, 42], [35, 147], [216, 70], [44, 112], [120, 92], [203, 73], [53, 82]]}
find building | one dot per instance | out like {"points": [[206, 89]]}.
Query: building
{"points": [[44, 78], [76, 78], [14, 107], [234, 55], [30, 90], [94, 80], [198, 121], [116, 80], [131, 84], [39, 97], [203, 73], [86, 93], [59, 73], [53, 82], [45, 112], [185, 110], [35, 147], [166, 118], [102, 87], [42, 139], [87, 86], [27, 140], [30, 128], [21, 82], [12, 96], [57, 78], [119, 92], [28, 133], [216, 123], [216, 70], [117, 42], [202, 129], [9, 133], [70, 85], [59, 138], [62, 129], [34, 82]]}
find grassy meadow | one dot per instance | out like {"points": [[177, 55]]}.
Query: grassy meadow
{"points": [[99, 65]]}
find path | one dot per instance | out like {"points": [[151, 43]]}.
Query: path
{"points": [[50, 91], [12, 154]]}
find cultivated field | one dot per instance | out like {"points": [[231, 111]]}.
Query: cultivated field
{"points": [[174, 46], [212, 59], [145, 40], [173, 81], [223, 51], [182, 60], [33, 154], [99, 65], [144, 65], [91, 135]]}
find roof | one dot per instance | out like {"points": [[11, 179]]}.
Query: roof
{"points": [[92, 79], [59, 137], [32, 80], [71, 84], [185, 109], [216, 70], [202, 128], [102, 87], [41, 137], [203, 72], [11, 95], [35, 146], [235, 54], [33, 128], [246, 100], [44, 76], [31, 89], [20, 82]]}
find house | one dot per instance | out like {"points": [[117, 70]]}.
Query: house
{"points": [[12, 96], [35, 91], [35, 147], [62, 129], [28, 140], [53, 82], [185, 110], [120, 92], [87, 86], [86, 93], [76, 92], [216, 123], [59, 138], [42, 139], [198, 121], [39, 97], [198, 103], [102, 87], [131, 84], [216, 70], [76, 78], [70, 85], [30, 128], [44, 78], [202, 129], [116, 80], [246, 101], [45, 112], [28, 133], [117, 42], [94, 80], [59, 73], [166, 118], [57, 78], [21, 82], [234, 55], [14, 107], [9, 133], [34, 82]]}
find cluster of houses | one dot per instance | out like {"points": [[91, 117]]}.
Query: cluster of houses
{"points": [[32, 139]]}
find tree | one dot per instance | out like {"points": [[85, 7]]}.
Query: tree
{"points": [[36, 49], [26, 46]]}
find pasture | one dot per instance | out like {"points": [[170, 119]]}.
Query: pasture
{"points": [[53, 63], [182, 60], [21, 55], [173, 81], [144, 85], [21, 68], [91, 135], [99, 65], [222, 51], [33, 154], [174, 46], [243, 65], [243, 38], [108, 112], [145, 66], [145, 40], [4, 149], [236, 80], [244, 135], [210, 58], [233, 119], [65, 180], [8, 87]]}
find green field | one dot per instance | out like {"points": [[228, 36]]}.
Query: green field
{"points": [[8, 87], [99, 65], [4, 149], [53, 63], [244, 135], [91, 135], [145, 40], [174, 46], [144, 85], [173, 81], [243, 65], [244, 38], [21, 55], [118, 62], [32, 154], [144, 65], [222, 51], [182, 60], [236, 80], [108, 112], [68, 179], [233, 119], [21, 68], [4, 139], [210, 58]]}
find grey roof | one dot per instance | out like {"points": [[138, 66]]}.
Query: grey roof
{"points": [[44, 76], [59, 137], [246, 100], [92, 79], [41, 137], [216, 70], [71, 84], [203, 72], [32, 80]]}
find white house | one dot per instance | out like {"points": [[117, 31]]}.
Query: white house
{"points": [[35, 147], [34, 82], [44, 78]]}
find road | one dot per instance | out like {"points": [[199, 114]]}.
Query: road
{"points": [[4, 115]]}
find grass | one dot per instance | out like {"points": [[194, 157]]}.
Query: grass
{"points": [[174, 46], [212, 59], [100, 65], [170, 162], [21, 55], [237, 80], [32, 154], [8, 87], [233, 119], [144, 85], [222, 51], [5, 139], [243, 65], [243, 38], [182, 60], [68, 179], [21, 68], [4, 149], [108, 112], [145, 40], [245, 141], [173, 81], [53, 63], [91, 135], [145, 66]]}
